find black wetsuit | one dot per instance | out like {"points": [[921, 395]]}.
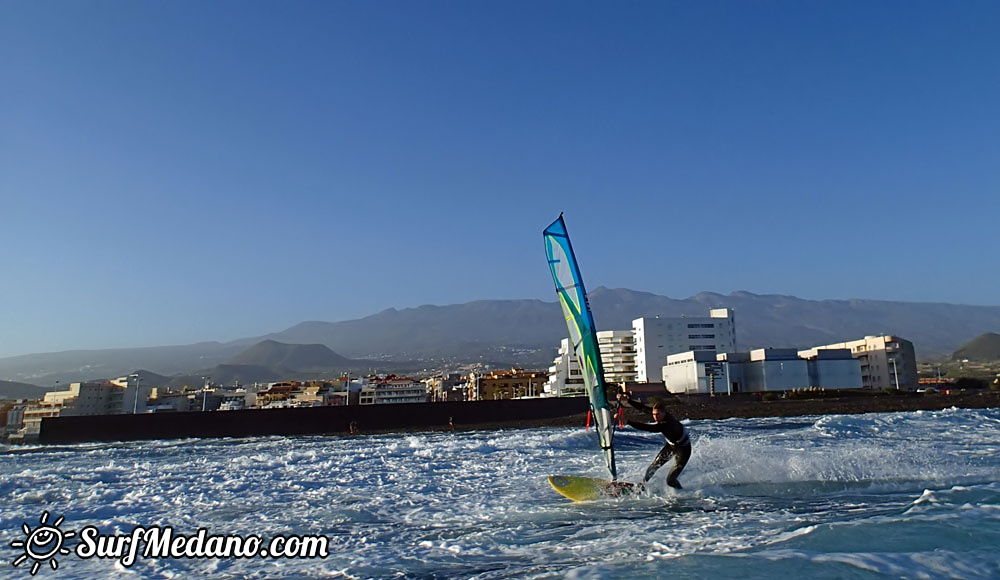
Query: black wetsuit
{"points": [[678, 443]]}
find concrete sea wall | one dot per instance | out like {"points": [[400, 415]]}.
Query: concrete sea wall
{"points": [[309, 421], [469, 415]]}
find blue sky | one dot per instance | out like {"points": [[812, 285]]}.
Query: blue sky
{"points": [[172, 172]]}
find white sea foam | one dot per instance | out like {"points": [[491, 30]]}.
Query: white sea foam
{"points": [[809, 496]]}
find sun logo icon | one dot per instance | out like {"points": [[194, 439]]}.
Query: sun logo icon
{"points": [[43, 543]]}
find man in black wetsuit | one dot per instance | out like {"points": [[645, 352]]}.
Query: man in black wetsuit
{"points": [[678, 443]]}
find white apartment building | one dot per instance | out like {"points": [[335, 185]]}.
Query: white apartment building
{"points": [[887, 361], [629, 356], [565, 379], [617, 355], [617, 358], [656, 338], [383, 390]]}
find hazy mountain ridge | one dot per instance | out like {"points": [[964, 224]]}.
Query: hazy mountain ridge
{"points": [[81, 365], [268, 361], [527, 332], [12, 390]]}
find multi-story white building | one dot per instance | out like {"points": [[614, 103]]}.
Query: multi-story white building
{"points": [[565, 378], [887, 362], [617, 355], [617, 358], [656, 338], [382, 390]]}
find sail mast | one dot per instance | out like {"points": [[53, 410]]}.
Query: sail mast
{"points": [[582, 332]]}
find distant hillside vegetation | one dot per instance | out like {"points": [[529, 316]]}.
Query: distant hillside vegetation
{"points": [[983, 348]]}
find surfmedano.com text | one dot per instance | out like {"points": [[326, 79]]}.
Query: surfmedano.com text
{"points": [[162, 542]]}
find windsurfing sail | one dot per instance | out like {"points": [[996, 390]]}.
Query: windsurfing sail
{"points": [[583, 335]]}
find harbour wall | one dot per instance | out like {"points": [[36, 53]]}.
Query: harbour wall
{"points": [[506, 414], [309, 420]]}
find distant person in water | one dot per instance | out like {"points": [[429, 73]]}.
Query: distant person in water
{"points": [[678, 445]]}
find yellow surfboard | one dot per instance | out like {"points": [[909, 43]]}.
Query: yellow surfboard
{"points": [[578, 488]]}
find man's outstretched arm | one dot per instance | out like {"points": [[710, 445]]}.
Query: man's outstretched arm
{"points": [[625, 397], [651, 427]]}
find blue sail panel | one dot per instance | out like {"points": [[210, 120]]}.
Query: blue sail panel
{"points": [[582, 333]]}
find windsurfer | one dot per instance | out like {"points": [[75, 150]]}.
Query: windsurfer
{"points": [[678, 444]]}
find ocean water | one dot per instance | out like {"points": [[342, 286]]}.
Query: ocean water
{"points": [[893, 495]]}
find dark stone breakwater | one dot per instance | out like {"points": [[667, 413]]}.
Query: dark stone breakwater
{"points": [[505, 414]]}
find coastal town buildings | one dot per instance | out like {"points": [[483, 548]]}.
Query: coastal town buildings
{"points": [[887, 361], [446, 387], [833, 368], [165, 401], [114, 397], [696, 371], [692, 354], [638, 355], [386, 389], [873, 363], [505, 384], [236, 401], [14, 420], [300, 394], [207, 398], [760, 370], [657, 337], [710, 365], [121, 395], [565, 378], [31, 422], [617, 355], [617, 349], [82, 398]]}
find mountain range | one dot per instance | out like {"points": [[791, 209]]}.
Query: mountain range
{"points": [[508, 332], [12, 390]]}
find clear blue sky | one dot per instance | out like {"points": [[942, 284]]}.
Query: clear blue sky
{"points": [[172, 172]]}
